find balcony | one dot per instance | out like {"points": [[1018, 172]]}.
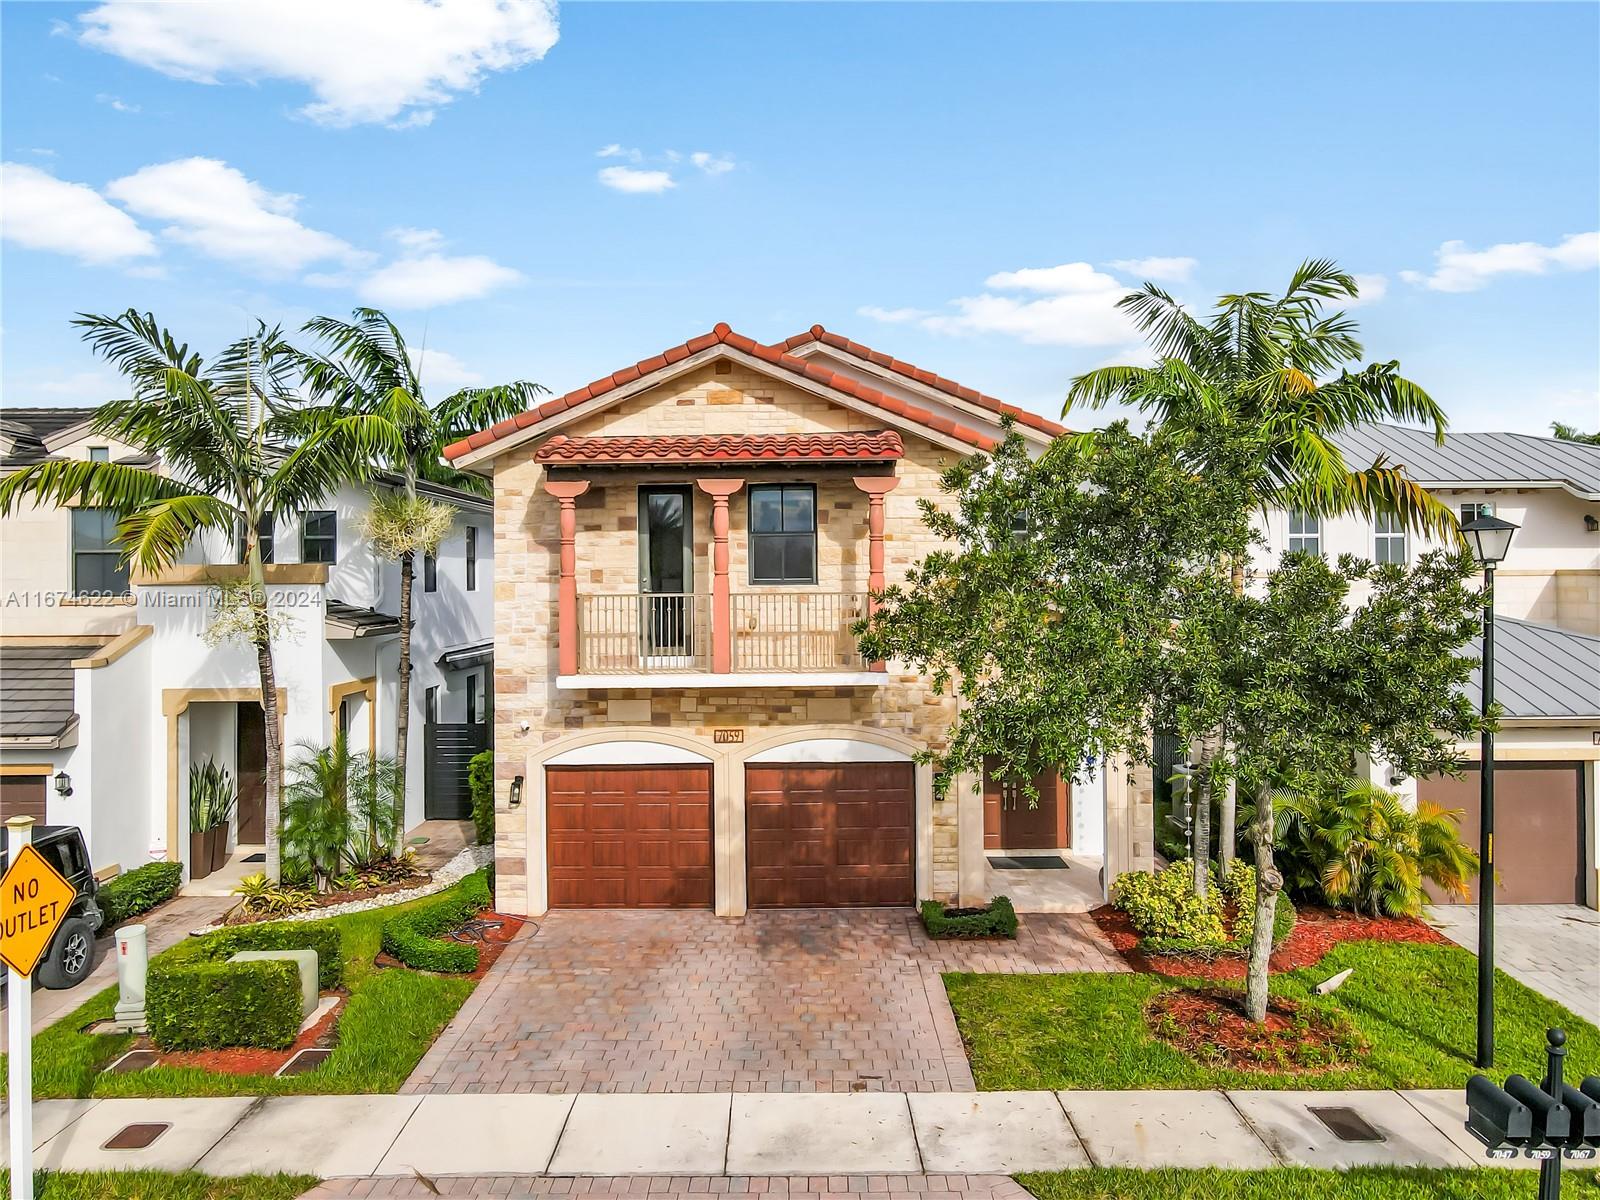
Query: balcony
{"points": [[775, 638]]}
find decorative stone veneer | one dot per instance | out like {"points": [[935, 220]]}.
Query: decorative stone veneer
{"points": [[531, 712]]}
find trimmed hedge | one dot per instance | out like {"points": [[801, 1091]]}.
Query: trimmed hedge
{"points": [[413, 937], [138, 891], [208, 1005], [999, 919], [320, 936], [480, 786]]}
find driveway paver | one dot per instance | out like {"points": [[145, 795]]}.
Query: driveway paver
{"points": [[791, 1001], [1553, 948]]}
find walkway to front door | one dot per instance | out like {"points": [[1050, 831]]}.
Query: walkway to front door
{"points": [[684, 1001]]}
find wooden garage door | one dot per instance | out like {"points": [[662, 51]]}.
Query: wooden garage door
{"points": [[629, 837], [828, 835], [22, 796], [1538, 828]]}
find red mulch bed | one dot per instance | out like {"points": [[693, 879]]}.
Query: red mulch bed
{"points": [[1317, 930], [1210, 1026], [491, 943]]}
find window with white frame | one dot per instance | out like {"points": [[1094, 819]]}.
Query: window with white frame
{"points": [[1305, 533], [1472, 510], [1388, 539]]}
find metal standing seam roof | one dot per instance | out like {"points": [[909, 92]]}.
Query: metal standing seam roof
{"points": [[36, 691], [1469, 458], [350, 621], [1540, 672]]}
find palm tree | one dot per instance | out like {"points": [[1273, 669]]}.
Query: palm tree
{"points": [[215, 431], [367, 382], [1286, 371], [1571, 433]]}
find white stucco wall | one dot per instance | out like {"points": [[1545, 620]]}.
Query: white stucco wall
{"points": [[116, 728]]}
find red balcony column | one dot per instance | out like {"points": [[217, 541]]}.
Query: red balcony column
{"points": [[566, 492], [721, 597], [876, 487]]}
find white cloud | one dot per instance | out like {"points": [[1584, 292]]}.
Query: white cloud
{"points": [[1459, 269], [1068, 277], [434, 279], [363, 60], [1370, 289], [618, 150], [628, 179], [46, 213], [418, 241], [440, 371], [1072, 305], [893, 316], [216, 210], [117, 103], [1161, 270], [712, 164]]}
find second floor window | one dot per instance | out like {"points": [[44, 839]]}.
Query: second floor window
{"points": [[472, 558], [99, 453], [1389, 539], [430, 705], [319, 538], [1305, 533], [97, 566], [263, 538], [1472, 511], [430, 572], [783, 533]]}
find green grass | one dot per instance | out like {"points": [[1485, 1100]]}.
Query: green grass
{"points": [[1299, 1183], [155, 1185], [1415, 1006], [390, 1020]]}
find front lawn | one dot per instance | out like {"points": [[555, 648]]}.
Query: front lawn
{"points": [[1301, 1183], [1414, 1005], [157, 1185], [390, 1019]]}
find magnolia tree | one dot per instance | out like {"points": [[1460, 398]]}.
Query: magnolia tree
{"points": [[1086, 597]]}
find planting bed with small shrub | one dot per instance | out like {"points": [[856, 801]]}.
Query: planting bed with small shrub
{"points": [[138, 891], [1170, 919], [413, 937], [200, 1005], [480, 785], [997, 919]]}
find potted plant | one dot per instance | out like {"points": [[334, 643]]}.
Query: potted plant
{"points": [[211, 800]]}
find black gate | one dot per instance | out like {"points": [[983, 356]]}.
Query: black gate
{"points": [[447, 752]]}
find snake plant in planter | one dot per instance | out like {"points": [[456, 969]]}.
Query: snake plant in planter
{"points": [[211, 800]]}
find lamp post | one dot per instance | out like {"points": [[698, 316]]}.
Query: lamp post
{"points": [[1489, 538]]}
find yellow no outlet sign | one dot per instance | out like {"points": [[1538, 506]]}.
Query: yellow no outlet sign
{"points": [[34, 900]]}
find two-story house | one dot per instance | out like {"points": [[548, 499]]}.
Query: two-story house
{"points": [[1547, 644], [682, 717], [109, 691]]}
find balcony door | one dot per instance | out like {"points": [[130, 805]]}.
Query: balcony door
{"points": [[666, 571]]}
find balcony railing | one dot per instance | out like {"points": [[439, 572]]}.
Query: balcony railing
{"points": [[671, 633]]}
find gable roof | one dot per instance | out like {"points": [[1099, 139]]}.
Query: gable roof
{"points": [[1477, 459], [927, 378], [1540, 672], [24, 431], [723, 335]]}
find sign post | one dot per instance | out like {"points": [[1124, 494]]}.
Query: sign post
{"points": [[34, 900]]}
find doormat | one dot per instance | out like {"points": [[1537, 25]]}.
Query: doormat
{"points": [[1028, 862], [254, 858]]}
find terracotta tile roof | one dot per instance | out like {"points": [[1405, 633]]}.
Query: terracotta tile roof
{"points": [[927, 378], [874, 446], [723, 335]]}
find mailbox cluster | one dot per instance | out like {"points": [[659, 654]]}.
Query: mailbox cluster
{"points": [[1548, 1122]]}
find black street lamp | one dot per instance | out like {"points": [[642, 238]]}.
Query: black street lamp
{"points": [[1489, 538]]}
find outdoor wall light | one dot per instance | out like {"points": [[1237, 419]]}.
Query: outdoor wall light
{"points": [[516, 792], [1591, 523], [63, 784]]}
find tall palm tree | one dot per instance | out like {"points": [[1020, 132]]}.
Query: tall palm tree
{"points": [[366, 381], [1287, 371], [215, 431]]}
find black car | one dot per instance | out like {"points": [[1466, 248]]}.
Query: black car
{"points": [[70, 956]]}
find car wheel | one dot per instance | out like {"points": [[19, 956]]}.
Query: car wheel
{"points": [[71, 956]]}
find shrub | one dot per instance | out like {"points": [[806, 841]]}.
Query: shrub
{"points": [[1162, 906], [138, 891], [321, 936], [260, 897], [996, 919], [1238, 887], [413, 937], [480, 783], [200, 1005]]}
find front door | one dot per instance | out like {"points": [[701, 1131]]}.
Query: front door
{"points": [[666, 570], [250, 764], [1010, 822]]}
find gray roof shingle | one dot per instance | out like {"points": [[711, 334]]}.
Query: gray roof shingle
{"points": [[1475, 458], [36, 696], [24, 430], [1540, 671]]}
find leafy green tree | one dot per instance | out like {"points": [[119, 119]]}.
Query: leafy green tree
{"points": [[1570, 433], [1286, 369], [366, 382], [218, 433]]}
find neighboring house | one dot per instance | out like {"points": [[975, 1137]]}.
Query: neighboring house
{"points": [[109, 691], [1547, 656], [682, 717]]}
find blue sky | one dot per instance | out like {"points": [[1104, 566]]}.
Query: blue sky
{"points": [[967, 186]]}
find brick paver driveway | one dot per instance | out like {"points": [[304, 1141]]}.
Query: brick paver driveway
{"points": [[690, 1002]]}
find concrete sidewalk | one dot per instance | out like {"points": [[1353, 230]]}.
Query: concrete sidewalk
{"points": [[744, 1134]]}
